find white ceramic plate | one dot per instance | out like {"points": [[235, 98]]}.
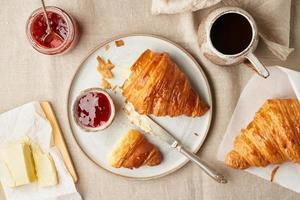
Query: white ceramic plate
{"points": [[190, 131]]}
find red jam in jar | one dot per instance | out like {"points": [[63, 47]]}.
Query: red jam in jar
{"points": [[58, 26], [62, 37], [93, 109]]}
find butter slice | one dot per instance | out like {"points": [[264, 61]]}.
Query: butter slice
{"points": [[18, 164], [6, 176], [44, 166]]}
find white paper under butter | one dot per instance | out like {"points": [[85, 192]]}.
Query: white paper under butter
{"points": [[282, 83], [29, 120]]}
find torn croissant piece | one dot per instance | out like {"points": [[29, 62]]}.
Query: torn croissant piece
{"points": [[105, 68], [157, 86], [273, 137], [134, 151], [105, 84]]}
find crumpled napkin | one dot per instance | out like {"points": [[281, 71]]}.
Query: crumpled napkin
{"points": [[284, 83], [29, 121], [178, 6], [272, 18]]}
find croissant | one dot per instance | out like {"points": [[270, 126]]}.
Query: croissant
{"points": [[157, 86], [134, 151], [273, 137]]}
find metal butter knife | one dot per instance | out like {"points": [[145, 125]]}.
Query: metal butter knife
{"points": [[148, 125]]}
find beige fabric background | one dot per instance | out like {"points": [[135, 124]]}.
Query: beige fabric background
{"points": [[26, 75]]}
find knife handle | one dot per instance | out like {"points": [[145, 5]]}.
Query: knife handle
{"points": [[205, 167]]}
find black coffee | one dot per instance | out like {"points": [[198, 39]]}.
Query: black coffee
{"points": [[231, 33]]}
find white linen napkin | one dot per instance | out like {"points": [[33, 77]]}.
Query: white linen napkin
{"points": [[178, 6], [284, 83], [272, 18], [29, 121]]}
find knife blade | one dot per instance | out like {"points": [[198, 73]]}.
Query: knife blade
{"points": [[149, 126]]}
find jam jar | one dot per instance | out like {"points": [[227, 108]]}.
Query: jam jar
{"points": [[64, 31]]}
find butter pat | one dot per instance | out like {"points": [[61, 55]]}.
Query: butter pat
{"points": [[18, 164], [6, 176], [44, 166], [24, 162]]}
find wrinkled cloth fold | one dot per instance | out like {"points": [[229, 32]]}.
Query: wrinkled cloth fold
{"points": [[272, 18]]}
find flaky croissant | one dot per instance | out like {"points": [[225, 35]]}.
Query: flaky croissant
{"points": [[157, 86], [273, 137], [134, 151]]}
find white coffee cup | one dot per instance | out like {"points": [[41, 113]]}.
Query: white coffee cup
{"points": [[215, 55]]}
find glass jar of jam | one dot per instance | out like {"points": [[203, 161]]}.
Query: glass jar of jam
{"points": [[64, 30]]}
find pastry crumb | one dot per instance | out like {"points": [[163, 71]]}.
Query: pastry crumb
{"points": [[107, 47], [119, 43], [109, 65], [105, 84], [107, 74], [274, 173], [104, 68], [114, 88]]}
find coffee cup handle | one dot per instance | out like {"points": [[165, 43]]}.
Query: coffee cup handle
{"points": [[258, 66]]}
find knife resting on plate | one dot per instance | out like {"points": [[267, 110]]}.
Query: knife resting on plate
{"points": [[148, 125]]}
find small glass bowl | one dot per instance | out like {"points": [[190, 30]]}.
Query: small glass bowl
{"points": [[75, 114], [68, 43]]}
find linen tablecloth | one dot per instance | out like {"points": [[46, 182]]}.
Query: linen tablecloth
{"points": [[26, 75]]}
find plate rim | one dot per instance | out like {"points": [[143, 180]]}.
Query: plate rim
{"points": [[210, 101]]}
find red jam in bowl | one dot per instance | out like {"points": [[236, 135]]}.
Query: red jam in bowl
{"points": [[64, 32], [58, 26], [93, 109]]}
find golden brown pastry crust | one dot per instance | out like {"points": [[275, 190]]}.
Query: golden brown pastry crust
{"points": [[157, 86], [133, 151], [273, 137]]}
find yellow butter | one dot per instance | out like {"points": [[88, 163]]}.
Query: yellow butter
{"points": [[18, 164], [7, 176], [44, 166]]}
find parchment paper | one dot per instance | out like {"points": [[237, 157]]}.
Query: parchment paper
{"points": [[29, 121], [283, 83]]}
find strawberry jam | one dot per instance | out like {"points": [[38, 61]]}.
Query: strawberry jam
{"points": [[59, 39], [93, 109], [58, 26]]}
